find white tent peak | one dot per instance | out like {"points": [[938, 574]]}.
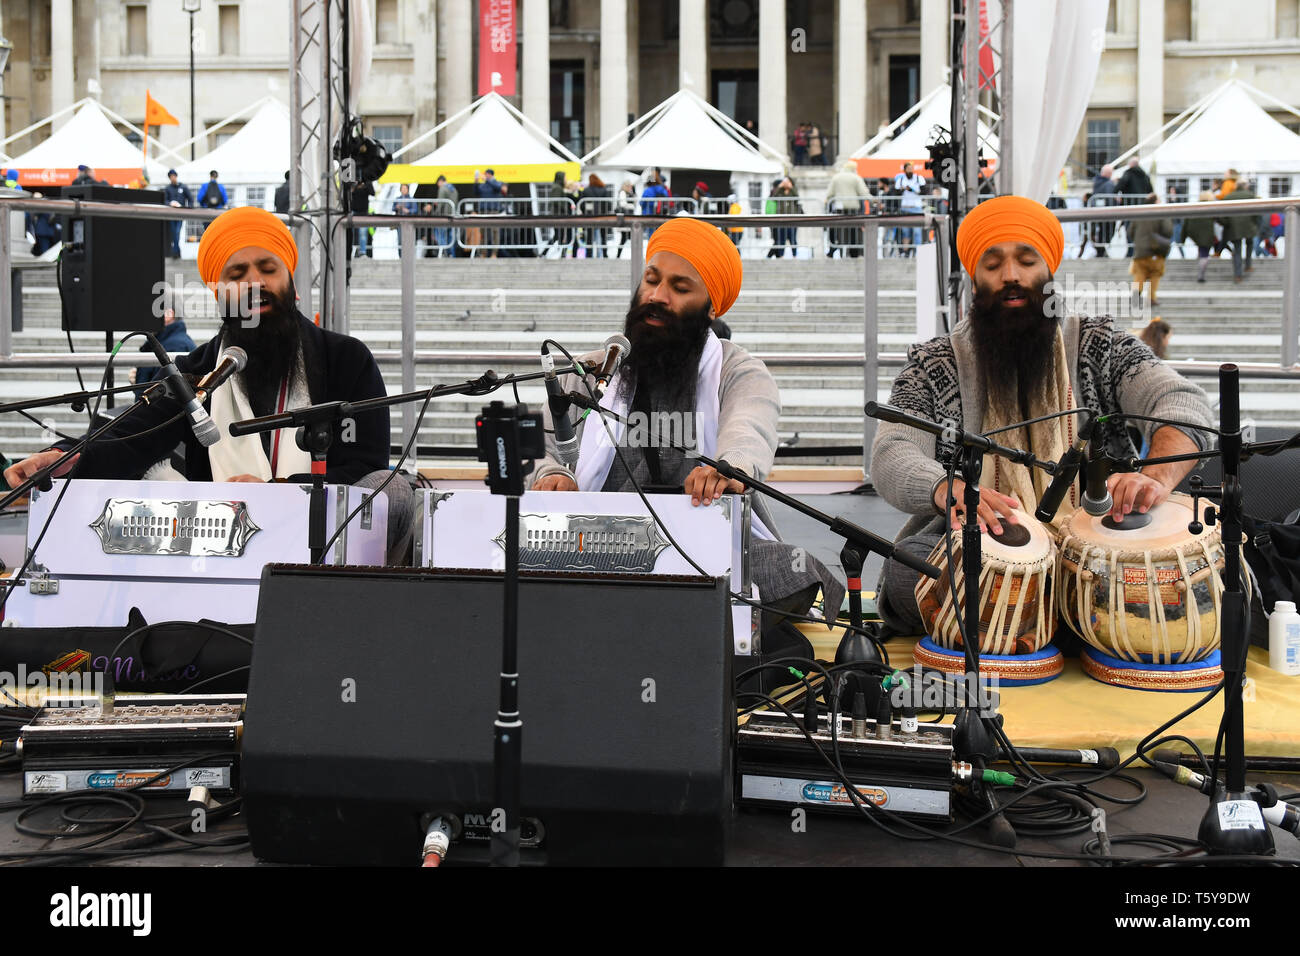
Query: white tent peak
{"points": [[257, 154], [933, 109], [1227, 128], [686, 132], [88, 138], [495, 132]]}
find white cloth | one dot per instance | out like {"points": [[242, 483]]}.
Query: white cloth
{"points": [[245, 455], [596, 453]]}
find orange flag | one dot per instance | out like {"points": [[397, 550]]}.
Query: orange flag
{"points": [[155, 114]]}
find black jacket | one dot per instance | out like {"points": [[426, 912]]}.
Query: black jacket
{"points": [[339, 368], [1135, 182], [282, 197], [179, 193]]}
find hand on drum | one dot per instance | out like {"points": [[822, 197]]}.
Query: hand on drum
{"points": [[994, 506], [1134, 491]]}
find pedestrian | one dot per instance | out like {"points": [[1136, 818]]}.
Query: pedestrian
{"points": [[1173, 197], [816, 148], [1151, 241], [86, 177], [846, 195], [403, 205], [625, 205], [448, 197], [800, 144], [783, 202], [1239, 230], [1226, 185], [1200, 229], [910, 186], [703, 198], [213, 194], [655, 199], [734, 208], [601, 204], [487, 190], [176, 194], [174, 337], [282, 195], [1133, 185], [360, 206], [1156, 336], [1103, 195]]}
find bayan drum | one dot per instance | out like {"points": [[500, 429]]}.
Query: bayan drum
{"points": [[1017, 613], [1146, 595]]}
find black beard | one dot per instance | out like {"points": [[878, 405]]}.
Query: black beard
{"points": [[272, 346], [668, 356], [1013, 344]]}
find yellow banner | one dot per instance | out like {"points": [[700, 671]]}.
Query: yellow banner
{"points": [[504, 172]]}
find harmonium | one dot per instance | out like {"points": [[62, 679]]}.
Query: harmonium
{"points": [[607, 532], [176, 550]]}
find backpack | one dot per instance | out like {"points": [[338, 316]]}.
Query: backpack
{"points": [[1272, 550]]}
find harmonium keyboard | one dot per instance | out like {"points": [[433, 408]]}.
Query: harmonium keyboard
{"points": [[606, 532], [175, 550]]}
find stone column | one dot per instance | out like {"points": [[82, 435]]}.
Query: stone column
{"points": [[424, 69], [936, 19], [773, 40], [633, 58], [457, 33], [613, 67], [851, 66], [693, 47], [536, 79], [1150, 70], [62, 85]]}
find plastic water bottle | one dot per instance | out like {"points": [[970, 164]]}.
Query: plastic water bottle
{"points": [[1284, 638]]}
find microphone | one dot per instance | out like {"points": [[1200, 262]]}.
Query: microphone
{"points": [[231, 360], [1067, 469], [201, 425], [566, 439], [617, 348], [1096, 496]]}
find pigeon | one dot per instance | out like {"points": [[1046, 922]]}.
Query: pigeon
{"points": [[791, 441], [532, 326], [463, 317]]}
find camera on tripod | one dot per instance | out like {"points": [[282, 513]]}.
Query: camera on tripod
{"points": [[506, 437]]}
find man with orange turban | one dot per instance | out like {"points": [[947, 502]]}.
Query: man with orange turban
{"points": [[1016, 356], [681, 385], [247, 257]]}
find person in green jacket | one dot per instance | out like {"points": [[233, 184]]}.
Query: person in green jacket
{"points": [[1200, 229], [1239, 231]]}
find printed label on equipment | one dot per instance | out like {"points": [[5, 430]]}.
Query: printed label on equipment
{"points": [[1089, 756], [826, 793], [43, 782], [108, 778], [1135, 586], [205, 777], [1240, 815]]}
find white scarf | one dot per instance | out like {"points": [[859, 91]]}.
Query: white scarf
{"points": [[596, 453], [245, 455]]}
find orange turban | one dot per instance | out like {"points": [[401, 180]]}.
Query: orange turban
{"points": [[1010, 219], [708, 249], [238, 229]]}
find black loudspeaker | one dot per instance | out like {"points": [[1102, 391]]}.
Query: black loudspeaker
{"points": [[373, 693], [111, 270]]}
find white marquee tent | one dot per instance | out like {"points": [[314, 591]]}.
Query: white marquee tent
{"points": [[256, 156], [87, 138], [884, 156], [685, 132], [1228, 128]]}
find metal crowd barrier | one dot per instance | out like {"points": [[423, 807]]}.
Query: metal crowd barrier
{"points": [[871, 227]]}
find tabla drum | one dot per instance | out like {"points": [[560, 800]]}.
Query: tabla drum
{"points": [[1017, 605], [1146, 595]]}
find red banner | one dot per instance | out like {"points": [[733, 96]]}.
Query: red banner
{"points": [[496, 47]]}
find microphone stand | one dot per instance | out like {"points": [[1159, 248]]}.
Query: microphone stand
{"points": [[1233, 823], [76, 400], [41, 479], [972, 739], [316, 425]]}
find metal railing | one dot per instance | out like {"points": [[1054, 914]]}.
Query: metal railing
{"points": [[870, 359]]}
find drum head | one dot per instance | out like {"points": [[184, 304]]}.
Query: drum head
{"points": [[1026, 542], [1167, 530]]}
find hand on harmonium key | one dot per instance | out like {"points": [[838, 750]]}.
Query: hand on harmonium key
{"points": [[706, 486], [252, 478], [556, 482]]}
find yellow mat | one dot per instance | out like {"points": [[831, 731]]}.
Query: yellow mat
{"points": [[1075, 711]]}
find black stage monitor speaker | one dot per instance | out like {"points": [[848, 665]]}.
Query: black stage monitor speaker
{"points": [[373, 693], [111, 269]]}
